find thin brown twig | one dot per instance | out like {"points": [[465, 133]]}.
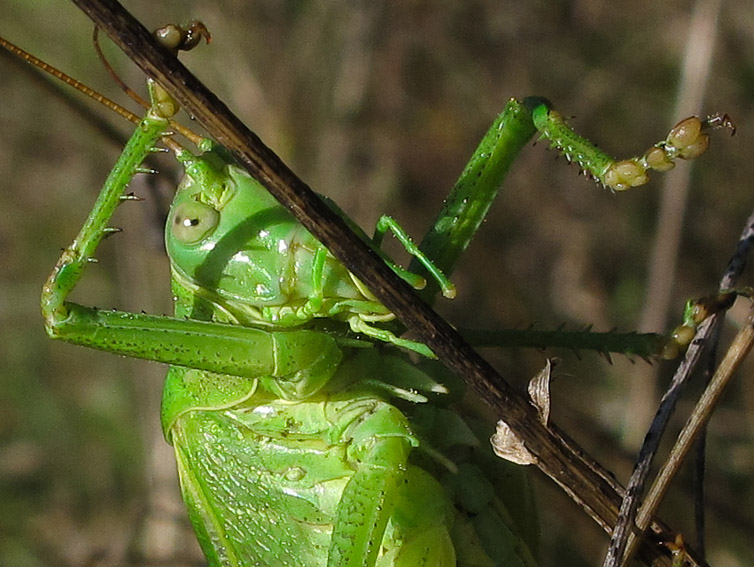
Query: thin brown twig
{"points": [[648, 450], [736, 354]]}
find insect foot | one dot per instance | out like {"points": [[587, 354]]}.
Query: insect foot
{"points": [[694, 314], [182, 38], [175, 38], [687, 140]]}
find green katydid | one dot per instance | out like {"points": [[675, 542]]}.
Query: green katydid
{"points": [[307, 426]]}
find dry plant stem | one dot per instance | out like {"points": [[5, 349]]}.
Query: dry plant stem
{"points": [[696, 68], [616, 554], [587, 483], [736, 354], [700, 457], [697, 64]]}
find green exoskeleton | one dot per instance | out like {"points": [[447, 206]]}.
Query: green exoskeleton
{"points": [[302, 436]]}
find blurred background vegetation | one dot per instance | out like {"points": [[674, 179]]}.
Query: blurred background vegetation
{"points": [[377, 105]]}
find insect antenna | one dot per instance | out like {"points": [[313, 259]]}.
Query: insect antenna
{"points": [[100, 98], [159, 209], [70, 81], [113, 75]]}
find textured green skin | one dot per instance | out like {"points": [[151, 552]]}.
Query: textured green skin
{"points": [[321, 469], [264, 479]]}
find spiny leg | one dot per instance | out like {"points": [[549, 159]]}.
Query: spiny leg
{"points": [[70, 266], [686, 140], [154, 126], [307, 357], [469, 201], [472, 195]]}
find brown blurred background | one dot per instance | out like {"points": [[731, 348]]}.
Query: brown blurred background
{"points": [[377, 105]]}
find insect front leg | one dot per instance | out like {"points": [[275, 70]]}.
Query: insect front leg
{"points": [[70, 267], [471, 197], [305, 358], [386, 223]]}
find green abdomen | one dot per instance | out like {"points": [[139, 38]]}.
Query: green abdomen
{"points": [[263, 480], [252, 499]]}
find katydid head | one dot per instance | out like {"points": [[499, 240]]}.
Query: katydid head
{"points": [[228, 237]]}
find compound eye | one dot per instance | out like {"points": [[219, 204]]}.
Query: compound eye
{"points": [[193, 221]]}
